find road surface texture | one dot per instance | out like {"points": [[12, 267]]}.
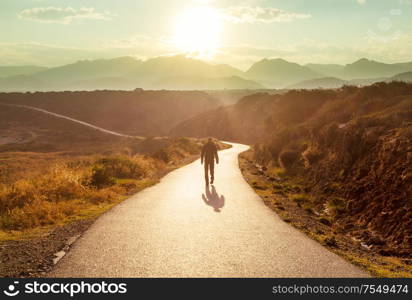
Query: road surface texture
{"points": [[178, 228]]}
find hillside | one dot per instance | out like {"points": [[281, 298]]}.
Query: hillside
{"points": [[365, 68], [407, 77], [23, 83], [279, 72], [241, 122], [103, 83], [8, 71], [326, 82], [330, 70], [28, 130], [143, 113], [346, 149], [333, 83], [89, 69], [180, 65], [354, 149], [246, 121], [203, 83], [230, 97]]}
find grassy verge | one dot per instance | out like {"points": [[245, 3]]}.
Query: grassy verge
{"points": [[64, 213], [71, 190], [288, 199]]}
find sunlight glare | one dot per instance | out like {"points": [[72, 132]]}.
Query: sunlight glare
{"points": [[198, 31]]}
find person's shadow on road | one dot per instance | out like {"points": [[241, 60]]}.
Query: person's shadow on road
{"points": [[211, 198]]}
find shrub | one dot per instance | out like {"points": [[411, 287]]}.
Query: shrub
{"points": [[61, 184], [162, 155], [187, 145], [330, 241], [106, 170], [101, 177], [17, 195], [299, 199], [337, 206], [288, 157], [312, 155], [326, 221], [101, 196]]}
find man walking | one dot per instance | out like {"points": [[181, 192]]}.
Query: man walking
{"points": [[208, 157]]}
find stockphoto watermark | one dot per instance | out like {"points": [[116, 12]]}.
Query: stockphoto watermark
{"points": [[63, 288]]}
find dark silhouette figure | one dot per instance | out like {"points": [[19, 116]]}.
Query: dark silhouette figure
{"points": [[208, 157], [213, 199]]}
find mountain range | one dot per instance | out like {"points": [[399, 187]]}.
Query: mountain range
{"points": [[183, 73]]}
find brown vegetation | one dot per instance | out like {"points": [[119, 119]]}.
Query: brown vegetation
{"points": [[243, 122], [349, 149], [353, 153], [139, 112], [298, 208]]}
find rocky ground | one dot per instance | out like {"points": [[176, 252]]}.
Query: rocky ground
{"points": [[34, 257], [287, 200]]}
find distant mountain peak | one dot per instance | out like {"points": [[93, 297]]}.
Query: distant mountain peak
{"points": [[365, 61], [280, 60], [273, 60], [279, 72]]}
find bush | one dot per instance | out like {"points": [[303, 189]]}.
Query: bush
{"points": [[312, 155], [106, 170], [61, 184], [299, 199], [101, 177], [17, 195], [162, 155], [288, 158], [337, 206], [188, 146], [326, 221], [330, 241]]}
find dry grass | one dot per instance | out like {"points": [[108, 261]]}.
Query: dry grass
{"points": [[62, 188], [64, 191]]}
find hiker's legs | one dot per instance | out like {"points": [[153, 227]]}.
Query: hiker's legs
{"points": [[212, 172], [206, 172]]}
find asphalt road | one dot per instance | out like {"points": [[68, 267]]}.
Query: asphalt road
{"points": [[178, 228]]}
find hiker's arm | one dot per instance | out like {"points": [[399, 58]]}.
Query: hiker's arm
{"points": [[216, 155]]}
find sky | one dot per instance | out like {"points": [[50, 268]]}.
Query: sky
{"points": [[235, 32]]}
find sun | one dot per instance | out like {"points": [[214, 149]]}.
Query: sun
{"points": [[198, 32]]}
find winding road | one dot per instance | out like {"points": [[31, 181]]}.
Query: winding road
{"points": [[178, 228], [70, 119]]}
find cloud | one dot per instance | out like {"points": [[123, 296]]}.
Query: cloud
{"points": [[245, 14], [361, 2], [63, 15]]}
